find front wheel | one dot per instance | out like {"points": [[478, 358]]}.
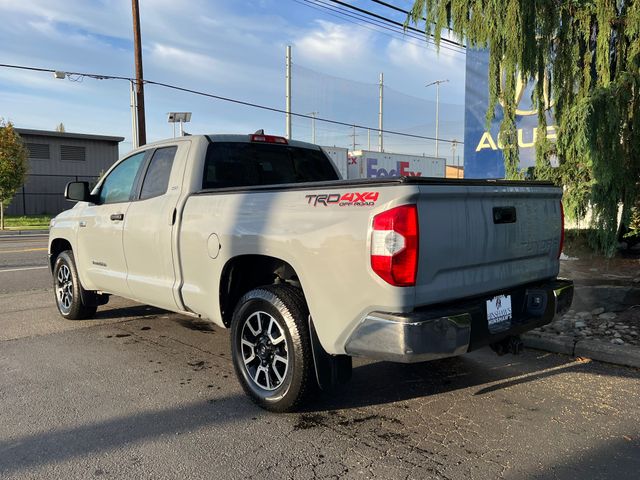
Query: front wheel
{"points": [[271, 348], [67, 288]]}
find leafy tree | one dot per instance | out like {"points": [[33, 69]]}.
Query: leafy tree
{"points": [[60, 128], [590, 51], [13, 165]]}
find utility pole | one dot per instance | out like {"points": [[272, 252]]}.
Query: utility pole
{"points": [[313, 126], [137, 44], [380, 140], [454, 145], [353, 137], [134, 117], [437, 84], [288, 93]]}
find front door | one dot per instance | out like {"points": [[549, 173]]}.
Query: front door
{"points": [[100, 253]]}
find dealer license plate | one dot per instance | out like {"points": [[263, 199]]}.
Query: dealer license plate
{"points": [[499, 310]]}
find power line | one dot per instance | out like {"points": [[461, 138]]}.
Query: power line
{"points": [[222, 98], [388, 20], [365, 21], [343, 14]]}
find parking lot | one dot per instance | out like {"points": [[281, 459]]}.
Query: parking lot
{"points": [[143, 393]]}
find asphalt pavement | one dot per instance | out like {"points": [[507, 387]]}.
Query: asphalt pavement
{"points": [[143, 393]]}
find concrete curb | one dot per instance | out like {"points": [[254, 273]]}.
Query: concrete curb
{"points": [[625, 355], [552, 343], [24, 233]]}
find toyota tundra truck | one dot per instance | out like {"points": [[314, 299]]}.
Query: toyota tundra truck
{"points": [[258, 234]]}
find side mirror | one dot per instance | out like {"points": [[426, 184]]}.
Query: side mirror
{"points": [[77, 191]]}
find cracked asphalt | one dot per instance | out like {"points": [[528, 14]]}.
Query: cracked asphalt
{"points": [[142, 393]]}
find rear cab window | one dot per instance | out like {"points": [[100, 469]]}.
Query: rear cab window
{"points": [[156, 179], [238, 164]]}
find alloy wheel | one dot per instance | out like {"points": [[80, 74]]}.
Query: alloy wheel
{"points": [[264, 350]]}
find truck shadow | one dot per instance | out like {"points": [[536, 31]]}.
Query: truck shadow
{"points": [[129, 312], [383, 383]]}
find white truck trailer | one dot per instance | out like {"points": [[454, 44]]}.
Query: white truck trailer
{"points": [[368, 164]]}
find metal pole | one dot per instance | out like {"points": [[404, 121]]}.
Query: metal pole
{"points": [[313, 127], [369, 139], [288, 93], [380, 139], [134, 117], [437, 113], [437, 84], [354, 139], [454, 145], [137, 44]]}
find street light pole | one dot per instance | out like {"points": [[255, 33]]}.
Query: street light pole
{"points": [[437, 84], [287, 94], [313, 126]]}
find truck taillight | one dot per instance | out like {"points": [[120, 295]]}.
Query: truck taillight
{"points": [[394, 245], [561, 230], [268, 139]]}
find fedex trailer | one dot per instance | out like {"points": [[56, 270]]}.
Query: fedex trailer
{"points": [[367, 164], [339, 158]]}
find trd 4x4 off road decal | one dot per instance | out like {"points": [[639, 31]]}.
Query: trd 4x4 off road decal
{"points": [[352, 199]]}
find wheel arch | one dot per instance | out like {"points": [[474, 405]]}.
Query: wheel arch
{"points": [[245, 272], [56, 247]]}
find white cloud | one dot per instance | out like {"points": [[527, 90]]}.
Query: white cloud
{"points": [[184, 61], [93, 16], [233, 49], [333, 42]]}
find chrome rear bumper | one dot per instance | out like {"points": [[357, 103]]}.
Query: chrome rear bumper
{"points": [[455, 328]]}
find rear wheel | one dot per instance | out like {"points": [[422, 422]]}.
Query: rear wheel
{"points": [[271, 348], [68, 290]]}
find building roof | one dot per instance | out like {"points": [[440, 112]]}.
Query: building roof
{"points": [[79, 136]]}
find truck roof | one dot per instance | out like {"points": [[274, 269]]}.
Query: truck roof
{"points": [[226, 137]]}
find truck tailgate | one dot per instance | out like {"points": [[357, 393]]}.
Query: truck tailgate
{"points": [[481, 238]]}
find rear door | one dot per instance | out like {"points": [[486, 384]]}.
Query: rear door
{"points": [[100, 254], [150, 226], [480, 238]]}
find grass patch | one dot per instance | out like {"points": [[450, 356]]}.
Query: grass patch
{"points": [[26, 222]]}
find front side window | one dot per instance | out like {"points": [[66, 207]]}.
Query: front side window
{"points": [[118, 185], [238, 164]]}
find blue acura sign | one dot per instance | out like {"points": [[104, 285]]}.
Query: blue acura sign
{"points": [[483, 156]]}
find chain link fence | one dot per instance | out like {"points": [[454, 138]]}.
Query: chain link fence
{"points": [[44, 194]]}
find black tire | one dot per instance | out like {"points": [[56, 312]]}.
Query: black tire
{"points": [[276, 387], [67, 289]]}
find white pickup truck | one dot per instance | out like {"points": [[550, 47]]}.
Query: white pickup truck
{"points": [[259, 234]]}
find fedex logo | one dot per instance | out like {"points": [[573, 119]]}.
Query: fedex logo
{"points": [[400, 171]]}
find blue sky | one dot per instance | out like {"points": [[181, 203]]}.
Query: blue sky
{"points": [[233, 48]]}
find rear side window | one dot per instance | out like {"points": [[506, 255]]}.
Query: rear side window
{"points": [[119, 183], [156, 179], [236, 164]]}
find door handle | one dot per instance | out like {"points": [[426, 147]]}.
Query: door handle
{"points": [[117, 216]]}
